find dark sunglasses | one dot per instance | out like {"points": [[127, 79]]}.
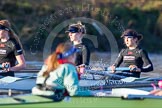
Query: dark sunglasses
{"points": [[73, 30], [4, 28], [130, 35]]}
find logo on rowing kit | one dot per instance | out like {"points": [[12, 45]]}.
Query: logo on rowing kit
{"points": [[3, 51], [2, 45], [103, 31]]}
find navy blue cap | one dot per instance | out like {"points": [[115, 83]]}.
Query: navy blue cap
{"points": [[132, 34]]}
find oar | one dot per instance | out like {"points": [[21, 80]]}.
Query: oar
{"points": [[20, 71], [24, 71], [11, 92], [110, 85], [107, 70], [37, 70], [130, 94], [130, 97], [119, 69], [105, 73]]}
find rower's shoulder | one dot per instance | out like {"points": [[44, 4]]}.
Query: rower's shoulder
{"points": [[81, 46], [123, 50], [141, 50], [11, 43]]}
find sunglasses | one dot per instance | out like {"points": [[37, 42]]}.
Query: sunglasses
{"points": [[73, 30], [4, 28], [130, 35]]}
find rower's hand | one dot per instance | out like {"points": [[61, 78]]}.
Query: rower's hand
{"points": [[6, 67], [134, 68], [157, 92], [112, 69], [81, 68]]}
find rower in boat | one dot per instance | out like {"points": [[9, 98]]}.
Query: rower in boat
{"points": [[75, 33], [10, 50], [59, 73], [133, 56]]}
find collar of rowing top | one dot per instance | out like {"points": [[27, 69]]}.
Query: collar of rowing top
{"points": [[63, 61], [2, 45]]}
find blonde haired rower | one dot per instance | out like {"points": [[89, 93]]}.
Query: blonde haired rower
{"points": [[76, 32]]}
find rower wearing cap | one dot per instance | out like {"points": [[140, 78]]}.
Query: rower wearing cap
{"points": [[11, 50], [76, 32], [133, 56]]}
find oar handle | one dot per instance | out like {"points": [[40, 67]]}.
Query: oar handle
{"points": [[1, 70], [5, 66], [1, 66], [119, 69]]}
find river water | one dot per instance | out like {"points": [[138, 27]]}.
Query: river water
{"points": [[103, 60], [97, 60]]}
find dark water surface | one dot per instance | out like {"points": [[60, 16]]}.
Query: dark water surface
{"points": [[97, 60], [104, 60]]}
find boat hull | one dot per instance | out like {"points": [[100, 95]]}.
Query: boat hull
{"points": [[83, 102]]}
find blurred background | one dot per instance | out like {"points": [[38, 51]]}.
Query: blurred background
{"points": [[33, 20]]}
